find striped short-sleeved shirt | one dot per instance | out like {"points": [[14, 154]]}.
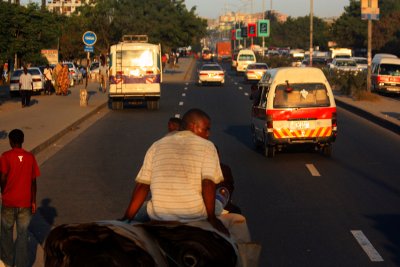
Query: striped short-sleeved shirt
{"points": [[174, 167]]}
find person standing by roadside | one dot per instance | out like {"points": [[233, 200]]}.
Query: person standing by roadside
{"points": [[19, 171], [25, 87], [56, 72], [47, 76], [103, 71], [63, 80]]}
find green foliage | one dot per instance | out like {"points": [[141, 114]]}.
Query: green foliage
{"points": [[349, 83]]}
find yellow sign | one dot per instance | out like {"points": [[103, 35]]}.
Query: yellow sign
{"points": [[369, 9]]}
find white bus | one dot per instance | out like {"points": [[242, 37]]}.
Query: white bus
{"points": [[135, 72]]}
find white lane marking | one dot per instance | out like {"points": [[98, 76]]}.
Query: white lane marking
{"points": [[366, 245], [236, 83], [240, 88], [181, 103], [246, 94], [313, 170], [186, 88], [187, 83], [177, 115], [183, 94]]}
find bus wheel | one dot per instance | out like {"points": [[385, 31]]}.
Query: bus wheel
{"points": [[153, 104]]}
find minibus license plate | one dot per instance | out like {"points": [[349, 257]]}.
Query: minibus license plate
{"points": [[299, 125]]}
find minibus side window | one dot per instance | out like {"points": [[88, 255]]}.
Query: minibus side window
{"points": [[263, 100]]}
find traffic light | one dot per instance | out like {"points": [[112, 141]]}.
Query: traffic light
{"points": [[251, 30], [263, 28], [244, 32]]}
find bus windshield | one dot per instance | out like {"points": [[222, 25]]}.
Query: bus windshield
{"points": [[137, 58]]}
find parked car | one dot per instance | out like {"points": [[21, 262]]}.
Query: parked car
{"points": [[255, 71], [37, 77], [211, 73], [362, 63], [77, 76], [343, 64]]}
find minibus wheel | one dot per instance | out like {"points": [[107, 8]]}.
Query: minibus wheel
{"points": [[327, 150], [269, 150]]}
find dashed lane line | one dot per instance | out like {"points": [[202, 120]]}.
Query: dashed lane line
{"points": [[181, 103], [183, 94], [313, 170], [177, 115], [366, 246], [246, 94]]}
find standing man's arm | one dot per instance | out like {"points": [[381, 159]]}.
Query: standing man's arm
{"points": [[33, 193], [208, 191], [138, 197]]}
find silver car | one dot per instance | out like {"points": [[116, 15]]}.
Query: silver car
{"points": [[343, 64], [76, 75], [255, 71]]}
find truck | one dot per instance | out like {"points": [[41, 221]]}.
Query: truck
{"points": [[135, 72], [224, 51], [340, 53]]}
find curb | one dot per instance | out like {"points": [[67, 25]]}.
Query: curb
{"points": [[67, 129], [371, 117]]}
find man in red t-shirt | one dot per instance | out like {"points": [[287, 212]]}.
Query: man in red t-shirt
{"points": [[18, 170]]}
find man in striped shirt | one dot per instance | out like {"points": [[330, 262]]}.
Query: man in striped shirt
{"points": [[181, 171]]}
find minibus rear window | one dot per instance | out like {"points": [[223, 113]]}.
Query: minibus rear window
{"points": [[300, 95], [389, 69], [245, 57]]}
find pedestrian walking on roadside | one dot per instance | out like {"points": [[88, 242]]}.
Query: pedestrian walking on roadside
{"points": [[103, 72], [47, 76], [63, 80], [164, 61], [25, 87], [56, 72], [19, 171]]}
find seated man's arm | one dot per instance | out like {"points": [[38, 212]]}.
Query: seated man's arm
{"points": [[138, 197], [208, 191]]}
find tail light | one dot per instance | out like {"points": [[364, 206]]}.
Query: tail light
{"points": [[120, 73], [334, 122], [202, 73], [149, 72], [380, 79], [270, 122], [221, 74], [37, 80], [250, 71]]}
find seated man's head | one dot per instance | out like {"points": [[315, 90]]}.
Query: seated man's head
{"points": [[197, 121]]}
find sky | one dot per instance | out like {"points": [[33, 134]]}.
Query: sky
{"points": [[294, 8]]}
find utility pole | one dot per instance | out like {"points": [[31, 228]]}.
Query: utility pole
{"points": [[263, 38], [311, 30], [369, 55]]}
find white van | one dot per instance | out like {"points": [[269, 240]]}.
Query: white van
{"points": [[135, 72], [385, 73], [244, 58], [294, 106]]}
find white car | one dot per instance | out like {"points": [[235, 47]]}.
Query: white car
{"points": [[37, 78], [362, 63], [343, 64], [211, 73], [255, 71]]}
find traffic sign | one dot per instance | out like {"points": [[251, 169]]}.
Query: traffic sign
{"points": [[89, 38], [251, 30], [239, 34], [263, 28], [89, 48]]}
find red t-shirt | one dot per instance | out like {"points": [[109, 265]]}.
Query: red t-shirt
{"points": [[20, 168]]}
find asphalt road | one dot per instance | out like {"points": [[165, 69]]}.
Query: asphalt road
{"points": [[300, 205]]}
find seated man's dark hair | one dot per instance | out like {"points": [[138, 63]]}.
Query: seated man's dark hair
{"points": [[192, 116]]}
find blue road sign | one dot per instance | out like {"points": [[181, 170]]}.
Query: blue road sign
{"points": [[89, 48], [89, 38]]}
